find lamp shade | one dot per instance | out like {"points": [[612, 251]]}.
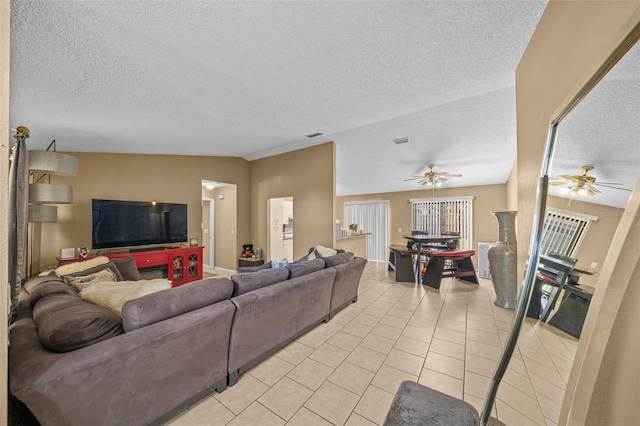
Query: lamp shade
{"points": [[43, 193], [54, 163], [42, 213]]}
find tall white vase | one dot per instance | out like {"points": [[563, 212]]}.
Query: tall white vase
{"points": [[503, 261]]}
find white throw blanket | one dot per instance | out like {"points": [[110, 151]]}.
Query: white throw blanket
{"points": [[112, 295]]}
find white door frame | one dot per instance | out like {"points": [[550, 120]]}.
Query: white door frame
{"points": [[212, 222]]}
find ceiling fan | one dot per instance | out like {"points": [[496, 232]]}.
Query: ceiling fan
{"points": [[582, 184], [432, 178]]}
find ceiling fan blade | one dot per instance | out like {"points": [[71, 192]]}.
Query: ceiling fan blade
{"points": [[453, 175], [414, 178], [613, 187], [591, 188], [606, 183], [441, 179]]}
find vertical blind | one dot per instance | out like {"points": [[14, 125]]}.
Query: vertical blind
{"points": [[371, 216], [442, 215], [563, 231]]}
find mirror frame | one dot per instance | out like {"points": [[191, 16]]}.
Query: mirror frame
{"points": [[628, 39]]}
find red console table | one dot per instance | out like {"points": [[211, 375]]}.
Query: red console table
{"points": [[183, 265]]}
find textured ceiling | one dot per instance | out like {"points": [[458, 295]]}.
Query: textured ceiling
{"points": [[250, 79]]}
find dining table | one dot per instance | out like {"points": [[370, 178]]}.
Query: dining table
{"points": [[421, 242]]}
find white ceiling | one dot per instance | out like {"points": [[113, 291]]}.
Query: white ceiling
{"points": [[251, 79]]}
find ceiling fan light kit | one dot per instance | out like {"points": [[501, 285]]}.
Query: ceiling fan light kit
{"points": [[581, 185], [434, 179]]}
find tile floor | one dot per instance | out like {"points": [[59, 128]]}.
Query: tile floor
{"points": [[347, 371]]}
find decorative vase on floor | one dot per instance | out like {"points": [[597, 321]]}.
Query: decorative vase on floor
{"points": [[503, 261]]}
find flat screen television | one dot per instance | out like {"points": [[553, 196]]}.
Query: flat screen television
{"points": [[116, 223]]}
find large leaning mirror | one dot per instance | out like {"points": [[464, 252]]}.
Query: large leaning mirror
{"points": [[595, 166], [591, 167]]}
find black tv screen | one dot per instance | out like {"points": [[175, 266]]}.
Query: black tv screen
{"points": [[118, 223]]}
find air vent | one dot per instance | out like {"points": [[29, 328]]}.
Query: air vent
{"points": [[313, 135], [400, 141]]}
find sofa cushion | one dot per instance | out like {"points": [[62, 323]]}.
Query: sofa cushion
{"points": [[82, 273], [72, 268], [36, 281], [112, 295], [243, 283], [244, 269], [83, 281], [297, 269], [65, 322], [338, 259], [127, 267], [51, 287], [152, 308]]}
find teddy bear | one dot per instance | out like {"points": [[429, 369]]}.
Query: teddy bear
{"points": [[247, 251]]}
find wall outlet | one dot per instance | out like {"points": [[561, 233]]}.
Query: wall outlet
{"points": [[399, 229], [594, 265]]}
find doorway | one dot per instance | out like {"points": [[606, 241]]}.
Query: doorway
{"points": [[218, 224], [208, 231], [280, 222]]}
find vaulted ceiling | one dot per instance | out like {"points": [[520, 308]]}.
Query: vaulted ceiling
{"points": [[251, 79]]}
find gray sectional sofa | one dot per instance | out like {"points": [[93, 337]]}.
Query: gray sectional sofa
{"points": [[170, 348]]}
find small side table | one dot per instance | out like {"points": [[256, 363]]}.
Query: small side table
{"points": [[246, 261]]}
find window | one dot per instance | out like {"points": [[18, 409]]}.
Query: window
{"points": [[563, 231], [443, 215], [371, 216]]}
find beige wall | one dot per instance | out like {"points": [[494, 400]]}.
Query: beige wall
{"points": [[168, 178], [5, 14], [512, 187], [487, 199], [571, 40], [225, 226], [307, 175]]}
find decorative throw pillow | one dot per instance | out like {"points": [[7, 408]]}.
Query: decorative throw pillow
{"points": [[279, 263], [112, 295], [49, 288], [109, 265], [325, 251], [65, 322], [338, 259], [127, 267], [71, 268], [82, 282]]}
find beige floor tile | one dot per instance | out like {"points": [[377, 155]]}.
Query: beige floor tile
{"points": [[392, 321], [271, 370], [447, 348], [294, 353], [389, 378], [374, 404], [208, 412], [400, 312], [357, 329], [357, 420], [452, 325], [375, 312], [310, 373], [366, 319], [503, 325], [549, 390], [442, 383], [480, 365], [257, 415], [352, 378], [333, 403], [445, 364], [520, 402], [313, 339], [450, 335], [519, 381], [475, 317], [484, 337], [484, 350], [285, 398], [330, 328], [305, 417], [548, 373], [366, 358], [238, 397], [404, 361], [377, 343], [478, 404], [344, 341], [475, 384], [422, 323], [386, 331], [550, 408], [412, 346], [511, 417], [329, 355], [413, 332]]}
